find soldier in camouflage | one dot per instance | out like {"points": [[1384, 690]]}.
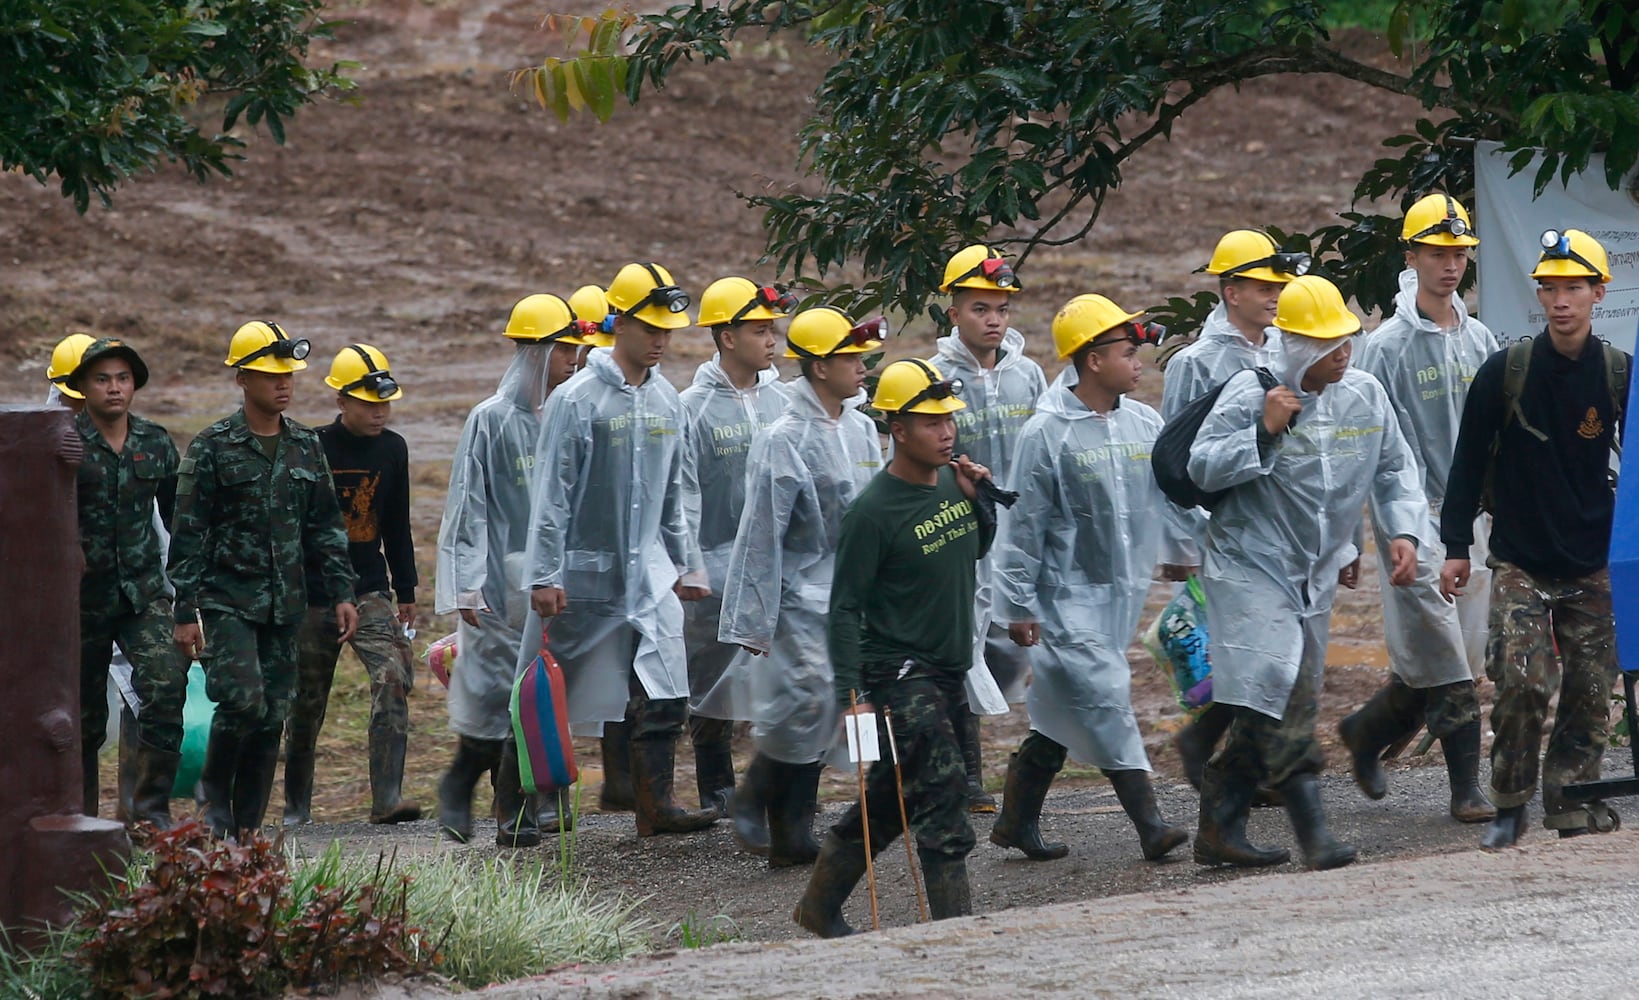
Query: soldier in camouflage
{"points": [[254, 502], [130, 463]]}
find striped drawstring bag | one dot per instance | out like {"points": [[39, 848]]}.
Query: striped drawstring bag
{"points": [[540, 721]]}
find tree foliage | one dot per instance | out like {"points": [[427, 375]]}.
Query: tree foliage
{"points": [[945, 121], [94, 91]]}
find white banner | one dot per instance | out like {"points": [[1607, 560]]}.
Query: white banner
{"points": [[1510, 224]]}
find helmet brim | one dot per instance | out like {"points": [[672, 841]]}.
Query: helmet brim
{"points": [[1261, 274], [139, 370], [1446, 240], [271, 366], [662, 319], [1565, 268], [950, 404], [1335, 330]]}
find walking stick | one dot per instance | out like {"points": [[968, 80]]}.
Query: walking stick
{"points": [[904, 821], [864, 812]]}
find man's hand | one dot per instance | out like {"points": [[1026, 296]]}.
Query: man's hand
{"points": [[406, 615], [1403, 557], [688, 593], [1177, 573], [1279, 407], [548, 602], [1024, 633], [968, 472], [190, 639], [1453, 578], [753, 650], [347, 621], [1349, 576], [470, 616], [860, 709]]}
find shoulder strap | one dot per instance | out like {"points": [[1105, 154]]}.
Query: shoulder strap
{"points": [[1513, 386], [1616, 383]]}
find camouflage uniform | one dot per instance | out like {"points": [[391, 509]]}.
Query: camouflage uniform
{"points": [[123, 592], [1529, 615], [243, 529]]}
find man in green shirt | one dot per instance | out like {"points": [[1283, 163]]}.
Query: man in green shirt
{"points": [[900, 631]]}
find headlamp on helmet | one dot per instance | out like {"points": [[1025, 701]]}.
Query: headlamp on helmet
{"points": [[768, 297], [1556, 245], [992, 269], [375, 381], [939, 389], [1281, 262], [1450, 226], [281, 347], [663, 295]]}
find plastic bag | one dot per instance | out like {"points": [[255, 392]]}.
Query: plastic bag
{"points": [[1178, 641], [197, 713], [441, 658]]}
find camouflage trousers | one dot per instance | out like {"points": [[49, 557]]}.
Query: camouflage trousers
{"points": [[250, 670], [1273, 750], [159, 673], [931, 762], [379, 644], [1529, 616], [1444, 708]]}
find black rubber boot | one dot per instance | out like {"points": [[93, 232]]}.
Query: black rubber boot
{"points": [[653, 761], [1197, 741], [617, 794], [1462, 750], [1507, 828], [515, 824], [472, 758], [1137, 796], [946, 881], [253, 778], [298, 787], [967, 736], [713, 741], [155, 771], [791, 810], [217, 774], [1226, 801], [1321, 851], [129, 748], [840, 866], [387, 805], [557, 810], [751, 805], [90, 788], [1369, 731], [1019, 823]]}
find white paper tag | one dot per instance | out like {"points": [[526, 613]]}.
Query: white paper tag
{"points": [[862, 743]]}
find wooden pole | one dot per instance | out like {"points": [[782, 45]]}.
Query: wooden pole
{"points": [[865, 814], [904, 821]]}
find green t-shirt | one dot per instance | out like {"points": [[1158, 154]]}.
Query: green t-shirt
{"points": [[904, 578], [269, 443]]}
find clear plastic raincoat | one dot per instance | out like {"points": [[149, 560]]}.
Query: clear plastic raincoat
{"points": [[803, 473], [1426, 371], [1077, 557], [481, 543], [718, 428], [1000, 401], [1275, 544], [609, 527]]}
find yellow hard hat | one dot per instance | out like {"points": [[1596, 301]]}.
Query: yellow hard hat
{"points": [[646, 292], [978, 266], [916, 387], [360, 371], [1085, 318], [1438, 220], [264, 347], [728, 301], [543, 317], [1572, 254], [65, 358], [590, 305], [826, 331], [1313, 307], [1251, 254]]}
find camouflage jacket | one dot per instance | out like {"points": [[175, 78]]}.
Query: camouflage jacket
{"points": [[244, 526], [123, 557]]}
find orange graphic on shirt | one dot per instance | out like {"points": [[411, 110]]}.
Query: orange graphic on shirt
{"points": [[358, 503], [1591, 426]]}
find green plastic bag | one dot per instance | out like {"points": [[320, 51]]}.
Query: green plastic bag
{"points": [[197, 714]]}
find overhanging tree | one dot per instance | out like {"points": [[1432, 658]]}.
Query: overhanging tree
{"points": [[947, 121], [94, 91]]}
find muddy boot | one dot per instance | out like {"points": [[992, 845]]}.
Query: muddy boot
{"points": [[714, 774], [751, 804], [515, 812], [1462, 750], [298, 787], [151, 790], [472, 758], [1137, 797], [1197, 741], [216, 776], [253, 778], [945, 878], [967, 736], [387, 805], [1226, 800], [1506, 829], [557, 810], [840, 866], [1366, 733], [617, 794], [90, 788], [1321, 851], [1019, 824], [129, 747], [791, 810], [653, 762]]}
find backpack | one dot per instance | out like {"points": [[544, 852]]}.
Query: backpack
{"points": [[1170, 455], [1513, 386]]}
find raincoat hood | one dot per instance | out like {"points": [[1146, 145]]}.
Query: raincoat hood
{"points": [[1299, 354], [524, 382], [1405, 306], [951, 346], [805, 401], [710, 375]]}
